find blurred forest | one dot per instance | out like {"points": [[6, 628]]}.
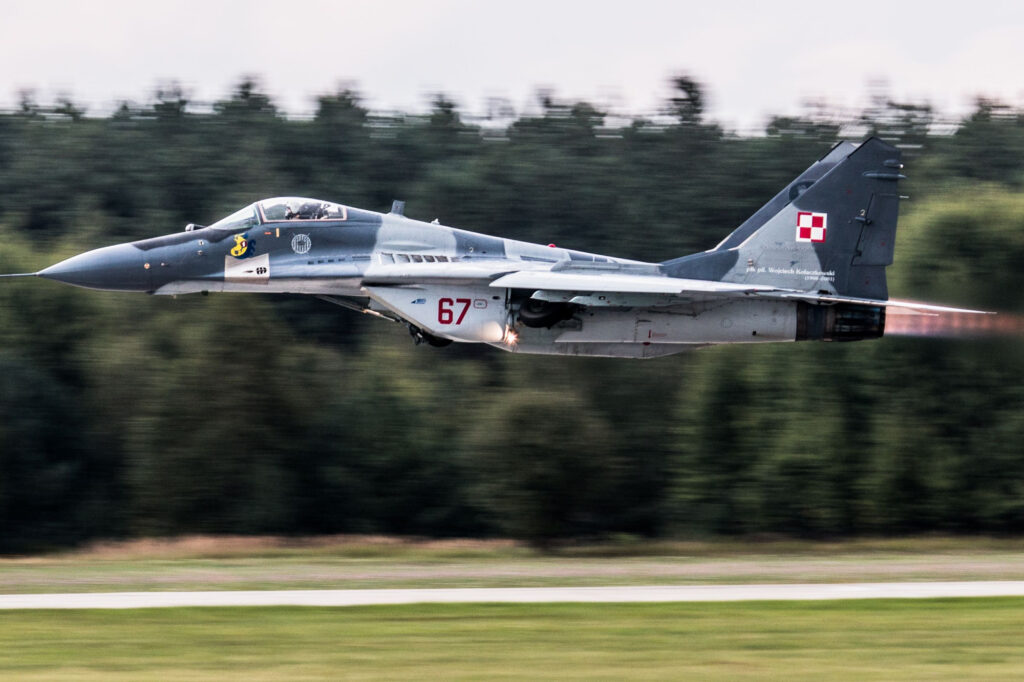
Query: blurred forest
{"points": [[125, 415]]}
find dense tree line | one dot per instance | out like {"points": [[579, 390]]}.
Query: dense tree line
{"points": [[128, 415]]}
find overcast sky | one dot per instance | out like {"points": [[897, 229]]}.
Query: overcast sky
{"points": [[756, 58]]}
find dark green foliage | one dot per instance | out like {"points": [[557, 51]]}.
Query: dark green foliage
{"points": [[546, 464], [124, 415]]}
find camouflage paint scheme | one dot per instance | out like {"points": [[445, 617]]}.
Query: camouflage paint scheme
{"points": [[809, 265]]}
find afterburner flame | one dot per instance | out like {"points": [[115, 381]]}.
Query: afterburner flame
{"points": [[952, 325]]}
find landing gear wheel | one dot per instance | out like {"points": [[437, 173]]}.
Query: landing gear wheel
{"points": [[537, 313]]}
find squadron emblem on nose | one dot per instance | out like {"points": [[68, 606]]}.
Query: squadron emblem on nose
{"points": [[241, 248]]}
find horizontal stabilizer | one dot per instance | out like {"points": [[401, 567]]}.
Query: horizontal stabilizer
{"points": [[811, 297]]}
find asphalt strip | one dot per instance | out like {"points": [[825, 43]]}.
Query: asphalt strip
{"points": [[516, 595]]}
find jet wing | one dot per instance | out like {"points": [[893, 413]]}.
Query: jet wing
{"points": [[616, 283], [620, 289], [577, 287]]}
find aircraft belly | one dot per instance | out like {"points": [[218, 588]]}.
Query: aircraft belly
{"points": [[598, 350], [733, 322], [461, 313]]}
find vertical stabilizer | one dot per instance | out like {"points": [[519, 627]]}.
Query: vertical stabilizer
{"points": [[835, 237], [788, 194]]}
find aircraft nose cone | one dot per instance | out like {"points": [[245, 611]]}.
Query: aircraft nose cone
{"points": [[112, 268]]}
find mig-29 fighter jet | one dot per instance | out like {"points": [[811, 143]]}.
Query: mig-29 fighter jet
{"points": [[809, 265]]}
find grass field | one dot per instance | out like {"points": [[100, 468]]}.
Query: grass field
{"points": [[874, 639], [857, 640], [224, 563]]}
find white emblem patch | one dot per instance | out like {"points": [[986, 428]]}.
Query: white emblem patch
{"points": [[301, 244]]}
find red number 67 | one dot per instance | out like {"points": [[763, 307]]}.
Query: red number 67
{"points": [[445, 313]]}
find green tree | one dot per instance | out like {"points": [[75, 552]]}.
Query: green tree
{"points": [[546, 464]]}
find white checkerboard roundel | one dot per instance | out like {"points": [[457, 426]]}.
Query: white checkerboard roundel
{"points": [[810, 227]]}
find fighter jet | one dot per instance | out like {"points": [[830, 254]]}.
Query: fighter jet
{"points": [[809, 265]]}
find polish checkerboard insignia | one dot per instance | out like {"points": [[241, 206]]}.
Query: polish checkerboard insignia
{"points": [[810, 227]]}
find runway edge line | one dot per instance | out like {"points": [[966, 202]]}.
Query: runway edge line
{"points": [[517, 595]]}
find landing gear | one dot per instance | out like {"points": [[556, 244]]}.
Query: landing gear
{"points": [[419, 336], [536, 313]]}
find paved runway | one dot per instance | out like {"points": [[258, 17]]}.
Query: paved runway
{"points": [[520, 595]]}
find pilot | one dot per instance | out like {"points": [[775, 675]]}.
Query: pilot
{"points": [[304, 211]]}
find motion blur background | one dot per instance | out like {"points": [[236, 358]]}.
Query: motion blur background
{"points": [[125, 415]]}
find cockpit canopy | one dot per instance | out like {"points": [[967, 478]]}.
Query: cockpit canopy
{"points": [[298, 208], [281, 209]]}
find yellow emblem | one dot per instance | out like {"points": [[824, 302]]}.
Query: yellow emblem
{"points": [[240, 247]]}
